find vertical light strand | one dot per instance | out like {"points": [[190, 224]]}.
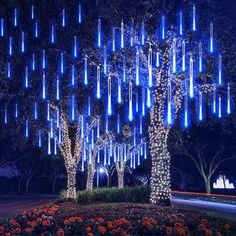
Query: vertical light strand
{"points": [[109, 108], [26, 77], [130, 102], [9, 70], [98, 93], [169, 104], [98, 128], [214, 100], [73, 75], [174, 56], [219, 69], [36, 30], [143, 101], [58, 89], [5, 116], [10, 46], [32, 12], [2, 27], [99, 40], [75, 48], [150, 67], [107, 124], [158, 59], [163, 30], [55, 145], [52, 34], [27, 128], [86, 70], [49, 144], [40, 138], [16, 110], [113, 39], [194, 18], [122, 44], [15, 17], [228, 100], [105, 60], [183, 56], [62, 63], [79, 14], [181, 23], [137, 67], [148, 98], [119, 99], [73, 107], [186, 111], [89, 106], [219, 107], [35, 110], [191, 90], [142, 33], [33, 62], [63, 18], [22, 42], [211, 38], [44, 86], [200, 114]]}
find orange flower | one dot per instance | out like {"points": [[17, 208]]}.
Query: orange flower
{"points": [[204, 221], [89, 234], [102, 229], [28, 230], [169, 230], [208, 232], [202, 227], [46, 223], [109, 224], [227, 226], [66, 222], [60, 232]]}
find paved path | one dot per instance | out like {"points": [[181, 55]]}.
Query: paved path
{"points": [[11, 205], [218, 209]]}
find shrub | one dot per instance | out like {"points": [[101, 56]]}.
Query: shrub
{"points": [[128, 194]]}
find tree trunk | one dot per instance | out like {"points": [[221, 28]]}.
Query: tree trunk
{"points": [[71, 182], [19, 185], [108, 181], [120, 168], [120, 179], [208, 185], [90, 176], [27, 186], [160, 173], [54, 185]]}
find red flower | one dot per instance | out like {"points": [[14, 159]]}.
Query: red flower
{"points": [[88, 229], [102, 229], [28, 230], [2, 229], [60, 232], [227, 226]]}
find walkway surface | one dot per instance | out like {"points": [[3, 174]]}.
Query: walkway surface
{"points": [[11, 205], [214, 208]]}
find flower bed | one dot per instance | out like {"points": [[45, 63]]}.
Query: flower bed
{"points": [[122, 219]]}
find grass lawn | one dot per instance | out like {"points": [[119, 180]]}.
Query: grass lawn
{"points": [[68, 218]]}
